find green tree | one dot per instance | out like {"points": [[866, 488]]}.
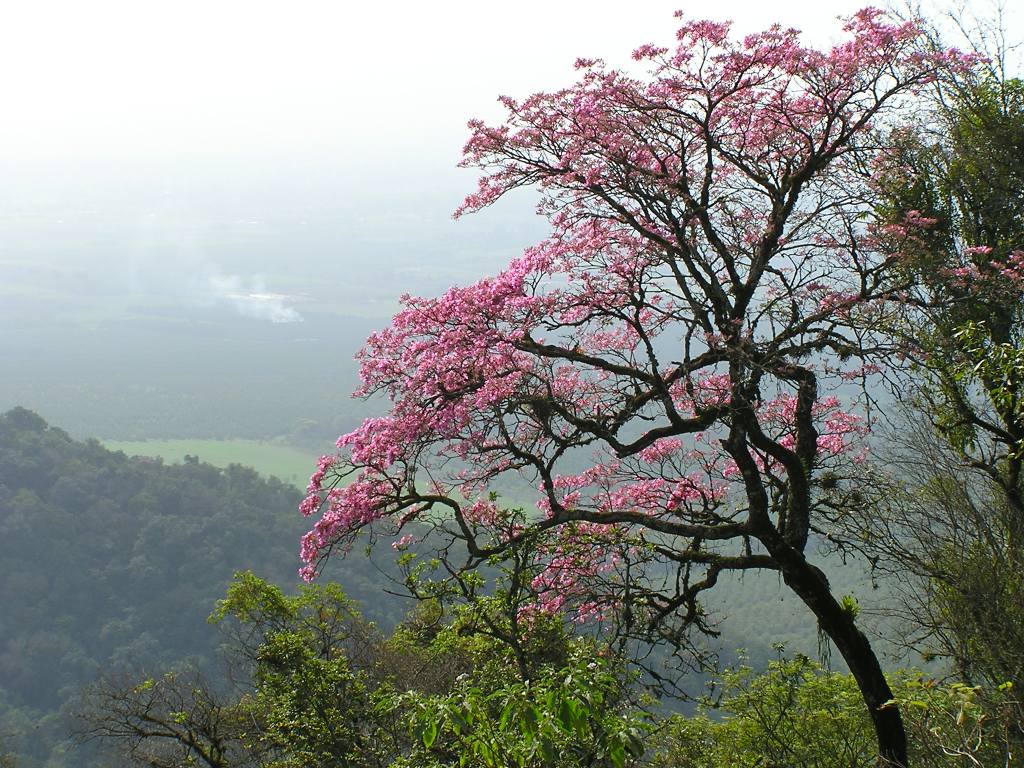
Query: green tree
{"points": [[314, 684], [529, 692], [295, 696], [954, 192], [793, 715], [311, 655], [316, 709]]}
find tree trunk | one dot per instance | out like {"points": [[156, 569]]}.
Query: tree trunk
{"points": [[811, 586]]}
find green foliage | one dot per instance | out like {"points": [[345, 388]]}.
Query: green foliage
{"points": [[999, 367], [956, 534], [798, 715], [961, 725], [254, 601], [313, 659], [793, 715], [968, 177], [321, 615], [326, 689], [300, 695], [314, 707], [985, 176], [568, 716], [565, 705], [980, 602], [526, 694], [322, 687], [964, 172]]}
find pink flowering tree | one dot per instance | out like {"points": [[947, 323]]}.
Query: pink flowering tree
{"points": [[664, 368]]}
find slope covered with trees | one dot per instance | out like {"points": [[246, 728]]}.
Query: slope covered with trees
{"points": [[109, 560]]}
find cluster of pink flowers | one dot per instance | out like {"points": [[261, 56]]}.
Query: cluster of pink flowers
{"points": [[837, 429], [860, 372], [668, 476], [312, 501], [981, 273], [343, 510], [581, 554]]}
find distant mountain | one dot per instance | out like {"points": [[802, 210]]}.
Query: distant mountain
{"points": [[107, 560]]}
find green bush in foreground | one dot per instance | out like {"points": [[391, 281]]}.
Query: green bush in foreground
{"points": [[797, 715], [317, 685], [314, 684]]}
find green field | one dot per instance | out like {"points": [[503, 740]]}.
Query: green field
{"points": [[268, 458]]}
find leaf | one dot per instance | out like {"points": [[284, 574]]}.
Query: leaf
{"points": [[617, 754], [506, 714], [531, 716], [634, 743], [429, 734], [548, 751], [566, 715], [458, 722]]}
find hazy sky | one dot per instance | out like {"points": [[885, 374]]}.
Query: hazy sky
{"points": [[350, 80], [217, 149], [205, 169]]}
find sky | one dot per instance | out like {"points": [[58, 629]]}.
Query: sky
{"points": [[228, 171], [356, 81], [226, 151]]}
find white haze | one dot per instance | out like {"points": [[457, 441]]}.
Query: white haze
{"points": [[183, 150], [182, 182], [352, 80], [250, 298]]}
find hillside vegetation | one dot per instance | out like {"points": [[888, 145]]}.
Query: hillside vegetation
{"points": [[109, 560], [115, 561]]}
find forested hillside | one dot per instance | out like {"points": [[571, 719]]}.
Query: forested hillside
{"points": [[109, 560]]}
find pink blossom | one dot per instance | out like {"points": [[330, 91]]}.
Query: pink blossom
{"points": [[626, 364]]}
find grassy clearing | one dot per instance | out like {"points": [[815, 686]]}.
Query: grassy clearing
{"points": [[268, 458]]}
